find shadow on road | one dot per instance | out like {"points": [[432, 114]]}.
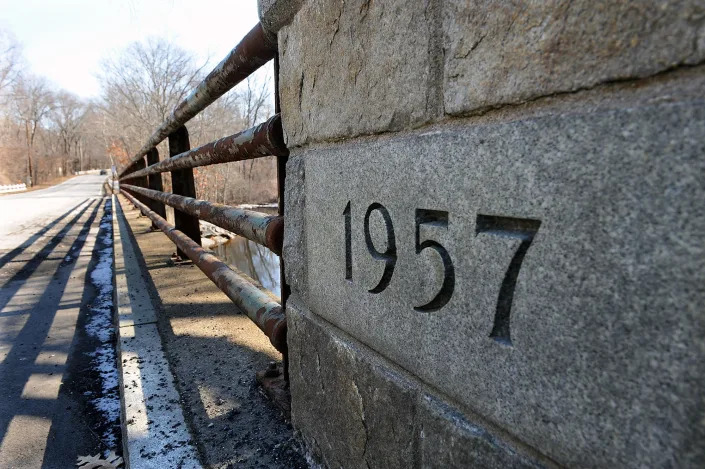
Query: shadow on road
{"points": [[19, 249], [214, 351], [13, 285], [23, 363]]}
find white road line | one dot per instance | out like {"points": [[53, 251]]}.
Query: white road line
{"points": [[154, 430]]}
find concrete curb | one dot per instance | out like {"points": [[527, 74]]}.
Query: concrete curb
{"points": [[154, 431]]}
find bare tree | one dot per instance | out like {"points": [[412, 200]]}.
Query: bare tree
{"points": [[143, 85], [243, 107], [32, 101], [68, 116], [254, 97], [10, 59], [42, 134]]}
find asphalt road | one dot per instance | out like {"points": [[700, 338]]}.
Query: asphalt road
{"points": [[56, 403]]}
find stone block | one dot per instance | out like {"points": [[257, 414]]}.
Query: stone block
{"points": [[509, 52], [293, 252], [350, 413], [359, 67], [448, 439], [355, 409], [545, 273]]}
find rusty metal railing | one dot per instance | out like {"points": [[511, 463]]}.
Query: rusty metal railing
{"points": [[261, 228], [259, 306], [264, 139], [255, 49], [145, 189]]}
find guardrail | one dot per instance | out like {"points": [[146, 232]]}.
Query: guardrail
{"points": [[13, 188], [145, 189]]}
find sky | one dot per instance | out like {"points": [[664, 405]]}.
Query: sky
{"points": [[65, 41]]}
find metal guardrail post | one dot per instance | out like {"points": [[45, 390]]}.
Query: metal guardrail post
{"points": [[182, 183], [263, 140], [141, 181], [155, 183]]}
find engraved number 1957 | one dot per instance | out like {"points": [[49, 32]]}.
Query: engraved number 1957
{"points": [[524, 229]]}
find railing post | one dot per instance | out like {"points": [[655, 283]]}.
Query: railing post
{"points": [[154, 182], [182, 183], [142, 182]]}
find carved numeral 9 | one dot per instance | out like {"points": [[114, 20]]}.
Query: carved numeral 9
{"points": [[389, 256]]}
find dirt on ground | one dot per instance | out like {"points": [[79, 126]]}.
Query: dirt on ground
{"points": [[214, 352]]}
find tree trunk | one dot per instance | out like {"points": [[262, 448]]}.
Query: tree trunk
{"points": [[30, 178]]}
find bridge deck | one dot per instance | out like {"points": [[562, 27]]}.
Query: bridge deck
{"points": [[59, 373]]}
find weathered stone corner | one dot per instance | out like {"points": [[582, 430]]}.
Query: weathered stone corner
{"points": [[355, 409], [275, 14]]}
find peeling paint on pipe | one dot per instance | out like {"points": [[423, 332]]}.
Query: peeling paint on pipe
{"points": [[261, 140], [267, 230], [266, 313], [255, 49]]}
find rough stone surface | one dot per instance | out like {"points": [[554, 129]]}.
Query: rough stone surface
{"points": [[450, 440], [275, 14], [293, 251], [400, 64], [355, 409], [349, 68], [508, 52], [606, 319]]}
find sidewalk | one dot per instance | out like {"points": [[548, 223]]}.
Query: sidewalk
{"points": [[213, 352]]}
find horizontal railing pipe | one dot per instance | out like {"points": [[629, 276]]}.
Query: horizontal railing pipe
{"points": [[267, 230], [266, 313], [261, 140], [255, 49]]}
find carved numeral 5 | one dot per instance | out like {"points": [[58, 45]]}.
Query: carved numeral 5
{"points": [[439, 219]]}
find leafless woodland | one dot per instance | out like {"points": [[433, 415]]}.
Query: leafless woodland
{"points": [[47, 133]]}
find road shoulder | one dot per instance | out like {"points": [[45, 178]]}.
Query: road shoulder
{"points": [[214, 352], [155, 434]]}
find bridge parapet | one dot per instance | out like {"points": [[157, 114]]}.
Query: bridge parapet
{"points": [[494, 233]]}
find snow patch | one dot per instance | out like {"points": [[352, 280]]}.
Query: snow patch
{"points": [[100, 325]]}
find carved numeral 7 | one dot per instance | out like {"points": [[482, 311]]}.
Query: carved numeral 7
{"points": [[523, 229]]}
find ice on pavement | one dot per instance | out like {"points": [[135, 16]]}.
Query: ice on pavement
{"points": [[100, 326]]}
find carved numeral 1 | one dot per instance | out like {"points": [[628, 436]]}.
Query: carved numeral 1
{"points": [[348, 243]]}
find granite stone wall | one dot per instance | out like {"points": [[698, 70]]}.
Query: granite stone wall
{"points": [[495, 231]]}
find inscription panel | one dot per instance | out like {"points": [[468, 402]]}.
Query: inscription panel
{"points": [[543, 273]]}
